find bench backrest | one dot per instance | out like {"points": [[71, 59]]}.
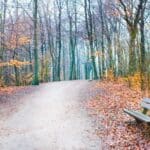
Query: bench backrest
{"points": [[145, 105], [146, 100]]}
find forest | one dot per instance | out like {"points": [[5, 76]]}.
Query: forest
{"points": [[47, 40], [99, 49]]}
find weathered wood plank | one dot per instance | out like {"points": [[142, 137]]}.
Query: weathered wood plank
{"points": [[145, 105], [146, 100], [138, 115]]}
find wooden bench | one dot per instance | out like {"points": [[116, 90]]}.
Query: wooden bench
{"points": [[141, 115]]}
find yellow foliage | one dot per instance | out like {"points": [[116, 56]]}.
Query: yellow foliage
{"points": [[27, 79], [23, 40], [16, 63], [2, 64], [135, 81], [97, 53], [110, 75], [15, 42]]}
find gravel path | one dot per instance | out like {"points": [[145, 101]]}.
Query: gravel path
{"points": [[50, 118]]}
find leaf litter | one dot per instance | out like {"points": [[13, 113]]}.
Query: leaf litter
{"points": [[117, 130]]}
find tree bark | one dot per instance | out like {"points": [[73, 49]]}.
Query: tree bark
{"points": [[36, 64], [89, 29]]}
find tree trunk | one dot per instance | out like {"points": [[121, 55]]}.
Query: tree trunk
{"points": [[36, 64], [142, 49], [132, 56], [100, 5], [89, 28]]}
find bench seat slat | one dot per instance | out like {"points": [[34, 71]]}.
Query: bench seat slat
{"points": [[138, 115]]}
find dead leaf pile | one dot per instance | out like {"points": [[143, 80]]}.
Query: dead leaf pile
{"points": [[116, 129], [9, 90]]}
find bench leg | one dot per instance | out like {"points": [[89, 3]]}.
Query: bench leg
{"points": [[138, 121], [144, 111]]}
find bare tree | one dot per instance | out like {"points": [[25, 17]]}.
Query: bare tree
{"points": [[132, 19], [36, 65], [89, 29]]}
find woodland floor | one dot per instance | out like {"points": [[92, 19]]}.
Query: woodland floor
{"points": [[72, 115], [47, 117], [117, 130]]}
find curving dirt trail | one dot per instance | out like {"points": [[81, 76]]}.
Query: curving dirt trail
{"points": [[50, 118]]}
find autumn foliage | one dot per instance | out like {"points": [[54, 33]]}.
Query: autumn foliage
{"points": [[16, 63], [117, 130], [133, 81]]}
